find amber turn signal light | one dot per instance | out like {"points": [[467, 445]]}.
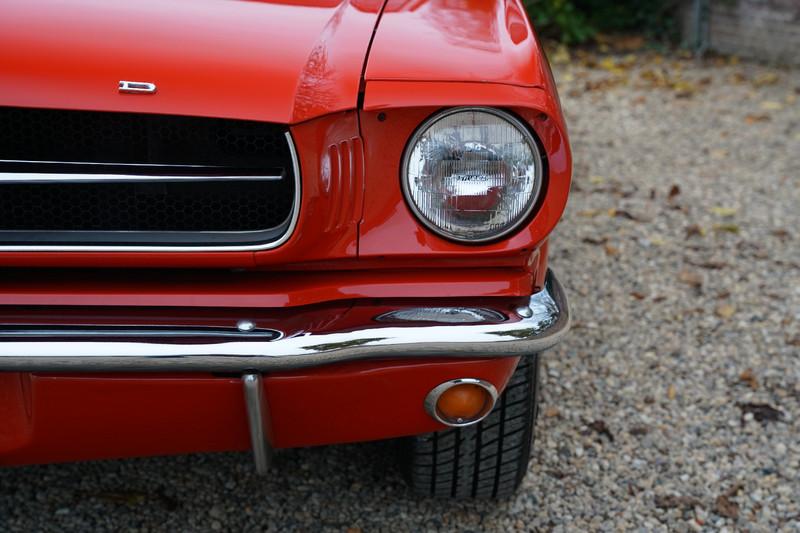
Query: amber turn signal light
{"points": [[461, 402]]}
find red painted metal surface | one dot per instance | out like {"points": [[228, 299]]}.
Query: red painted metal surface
{"points": [[184, 288], [278, 61], [456, 40], [78, 417], [389, 226]]}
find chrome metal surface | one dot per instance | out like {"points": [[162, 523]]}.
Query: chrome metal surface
{"points": [[30, 177], [433, 398], [445, 315], [137, 87], [150, 333], [548, 323], [525, 312], [236, 248], [257, 410], [246, 325]]}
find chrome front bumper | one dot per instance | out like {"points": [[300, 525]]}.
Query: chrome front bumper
{"points": [[536, 325]]}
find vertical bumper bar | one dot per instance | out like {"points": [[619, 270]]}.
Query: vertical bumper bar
{"points": [[257, 411]]}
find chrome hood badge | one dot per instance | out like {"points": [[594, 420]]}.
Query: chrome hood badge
{"points": [[136, 87]]}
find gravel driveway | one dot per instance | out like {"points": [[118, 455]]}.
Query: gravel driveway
{"points": [[675, 401]]}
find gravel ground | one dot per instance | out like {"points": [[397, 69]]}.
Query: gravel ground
{"points": [[674, 403]]}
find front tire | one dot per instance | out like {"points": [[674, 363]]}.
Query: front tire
{"points": [[487, 460]]}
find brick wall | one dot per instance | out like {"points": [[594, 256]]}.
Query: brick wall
{"points": [[768, 30]]}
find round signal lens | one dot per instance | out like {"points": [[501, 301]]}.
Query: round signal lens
{"points": [[472, 174]]}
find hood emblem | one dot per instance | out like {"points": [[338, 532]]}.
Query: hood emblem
{"points": [[137, 87]]}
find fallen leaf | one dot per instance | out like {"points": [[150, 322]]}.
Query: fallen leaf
{"points": [[710, 265], [724, 211], [762, 412], [611, 250], [691, 278], [673, 192], [672, 392], [752, 119], [676, 502], [551, 412], [781, 233], [561, 55], [621, 213], [600, 427], [749, 377], [595, 240], [597, 180], [726, 228], [638, 295], [725, 508], [767, 78], [694, 230], [725, 311], [770, 105], [737, 78]]}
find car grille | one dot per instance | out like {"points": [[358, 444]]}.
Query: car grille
{"points": [[81, 178]]}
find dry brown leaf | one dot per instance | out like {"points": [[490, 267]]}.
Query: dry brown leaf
{"points": [[691, 278], [725, 311], [676, 502], [749, 377], [752, 119], [611, 250], [674, 191], [767, 78], [551, 412], [595, 240], [725, 508], [694, 230]]}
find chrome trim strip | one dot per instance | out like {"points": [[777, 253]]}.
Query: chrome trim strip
{"points": [[100, 164], [136, 87], [40, 177], [433, 398], [245, 248], [548, 322], [48, 333], [256, 410]]}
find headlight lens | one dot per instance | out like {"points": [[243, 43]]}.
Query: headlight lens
{"points": [[472, 174]]}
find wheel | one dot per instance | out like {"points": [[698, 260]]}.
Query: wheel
{"points": [[487, 460]]}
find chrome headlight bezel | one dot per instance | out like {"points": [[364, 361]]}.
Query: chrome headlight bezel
{"points": [[518, 221]]}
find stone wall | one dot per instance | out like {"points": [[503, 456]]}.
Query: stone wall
{"points": [[768, 30]]}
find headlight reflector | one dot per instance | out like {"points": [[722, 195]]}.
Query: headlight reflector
{"points": [[472, 174]]}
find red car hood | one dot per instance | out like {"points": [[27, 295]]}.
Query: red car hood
{"points": [[278, 61]]}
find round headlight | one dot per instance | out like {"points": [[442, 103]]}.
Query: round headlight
{"points": [[472, 174]]}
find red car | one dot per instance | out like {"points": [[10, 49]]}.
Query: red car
{"points": [[231, 225]]}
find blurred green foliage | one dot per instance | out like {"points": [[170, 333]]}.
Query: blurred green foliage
{"points": [[579, 21]]}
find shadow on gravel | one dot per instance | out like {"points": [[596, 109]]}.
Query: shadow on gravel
{"points": [[339, 488]]}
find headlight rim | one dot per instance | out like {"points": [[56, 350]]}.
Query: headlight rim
{"points": [[536, 195]]}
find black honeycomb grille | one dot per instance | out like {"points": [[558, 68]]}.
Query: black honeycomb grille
{"points": [[212, 206], [187, 212]]}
